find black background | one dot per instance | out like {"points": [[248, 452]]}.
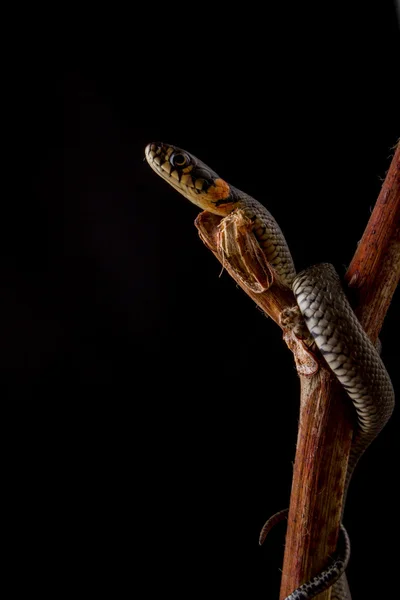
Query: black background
{"points": [[153, 408]]}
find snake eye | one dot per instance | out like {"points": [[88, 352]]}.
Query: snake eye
{"points": [[178, 159]]}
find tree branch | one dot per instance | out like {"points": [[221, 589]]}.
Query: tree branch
{"points": [[375, 268], [326, 418], [326, 425]]}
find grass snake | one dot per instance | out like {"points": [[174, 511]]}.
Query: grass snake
{"points": [[327, 313]]}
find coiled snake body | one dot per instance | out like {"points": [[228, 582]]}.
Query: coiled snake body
{"points": [[326, 311]]}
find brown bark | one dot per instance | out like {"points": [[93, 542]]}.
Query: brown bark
{"points": [[255, 277], [232, 243], [318, 480], [375, 268]]}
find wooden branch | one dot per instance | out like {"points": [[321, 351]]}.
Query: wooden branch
{"points": [[326, 418], [255, 277], [326, 425], [233, 244], [318, 479], [375, 268]]}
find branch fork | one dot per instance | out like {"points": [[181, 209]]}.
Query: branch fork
{"points": [[326, 420]]}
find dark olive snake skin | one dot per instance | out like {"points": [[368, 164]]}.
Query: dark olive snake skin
{"points": [[327, 314]]}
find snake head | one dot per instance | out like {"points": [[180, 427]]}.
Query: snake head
{"points": [[192, 178]]}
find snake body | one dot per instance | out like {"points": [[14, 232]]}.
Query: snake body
{"points": [[327, 313]]}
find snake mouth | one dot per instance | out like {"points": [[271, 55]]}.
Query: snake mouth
{"points": [[191, 178]]}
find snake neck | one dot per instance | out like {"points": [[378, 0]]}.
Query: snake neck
{"points": [[268, 234]]}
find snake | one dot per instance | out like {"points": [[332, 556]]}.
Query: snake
{"points": [[328, 316]]}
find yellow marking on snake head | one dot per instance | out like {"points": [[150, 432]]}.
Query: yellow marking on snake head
{"points": [[220, 190], [215, 197], [186, 179], [168, 153], [199, 184], [166, 167]]}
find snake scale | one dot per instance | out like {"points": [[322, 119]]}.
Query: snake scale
{"points": [[327, 314]]}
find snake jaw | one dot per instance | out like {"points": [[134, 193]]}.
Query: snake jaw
{"points": [[192, 178]]}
